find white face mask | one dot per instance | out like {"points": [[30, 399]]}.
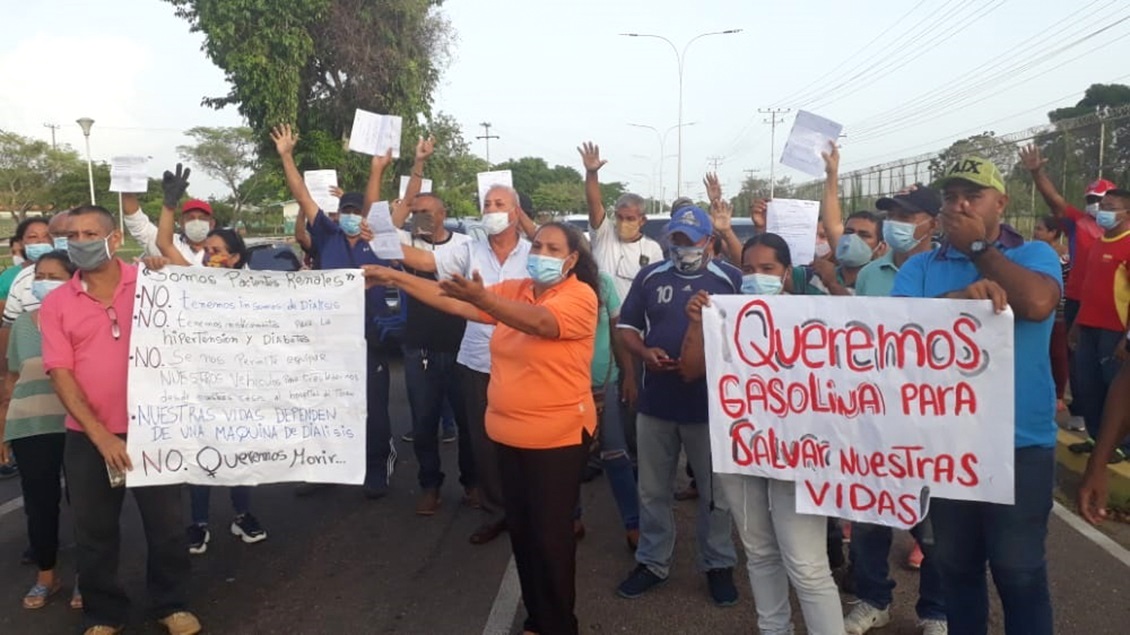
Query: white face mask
{"points": [[496, 222], [197, 230]]}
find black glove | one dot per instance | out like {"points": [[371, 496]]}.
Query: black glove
{"points": [[175, 185]]}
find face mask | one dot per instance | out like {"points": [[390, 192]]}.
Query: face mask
{"points": [[196, 230], [217, 260], [688, 259], [423, 224], [61, 243], [1104, 219], [17, 260], [823, 249], [350, 224], [496, 222], [1092, 209], [762, 284], [900, 235], [35, 251], [852, 251], [545, 269], [89, 254], [40, 288], [627, 230]]}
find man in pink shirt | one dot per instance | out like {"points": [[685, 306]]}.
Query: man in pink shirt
{"points": [[86, 331]]}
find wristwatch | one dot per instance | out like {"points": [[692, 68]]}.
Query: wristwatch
{"points": [[977, 248]]}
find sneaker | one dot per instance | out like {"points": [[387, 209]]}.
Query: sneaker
{"points": [[1117, 456], [9, 471], [407, 437], [722, 589], [914, 560], [428, 503], [865, 617], [449, 435], [1076, 424], [640, 581], [933, 627], [1083, 447], [198, 537], [247, 528], [181, 623]]}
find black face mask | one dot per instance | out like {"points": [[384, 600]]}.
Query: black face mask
{"points": [[423, 224]]}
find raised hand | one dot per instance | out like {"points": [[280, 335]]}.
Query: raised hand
{"points": [[722, 213], [713, 186], [174, 186], [832, 160], [285, 139], [1031, 159], [425, 148], [336, 191], [382, 161], [757, 210], [590, 156]]}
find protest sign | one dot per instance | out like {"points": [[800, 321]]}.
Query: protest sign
{"points": [[872, 408], [241, 377], [795, 221], [425, 186], [320, 184], [811, 135], [386, 237], [127, 174], [375, 134]]}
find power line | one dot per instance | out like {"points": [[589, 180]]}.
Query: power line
{"points": [[487, 136], [53, 127], [715, 161], [773, 121]]}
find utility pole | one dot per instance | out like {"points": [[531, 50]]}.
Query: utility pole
{"points": [[487, 136], [715, 162], [773, 121], [53, 127]]}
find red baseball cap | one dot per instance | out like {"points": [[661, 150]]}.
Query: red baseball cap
{"points": [[197, 205], [1100, 187]]}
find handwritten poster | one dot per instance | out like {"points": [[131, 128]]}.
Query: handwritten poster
{"points": [[872, 408], [241, 377]]}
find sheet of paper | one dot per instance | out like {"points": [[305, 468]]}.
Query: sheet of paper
{"points": [[374, 134], [319, 183], [422, 120], [795, 221], [127, 174], [425, 186], [386, 238], [811, 135], [490, 179]]}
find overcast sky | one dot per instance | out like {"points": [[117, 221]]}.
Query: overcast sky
{"points": [[905, 77]]}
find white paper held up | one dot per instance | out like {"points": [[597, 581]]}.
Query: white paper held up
{"points": [[375, 134], [795, 221], [425, 186], [386, 239], [811, 135], [488, 180], [127, 174], [319, 183]]}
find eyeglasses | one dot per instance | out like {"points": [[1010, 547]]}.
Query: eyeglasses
{"points": [[115, 329]]}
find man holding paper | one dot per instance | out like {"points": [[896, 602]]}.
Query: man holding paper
{"points": [[340, 246], [985, 259]]}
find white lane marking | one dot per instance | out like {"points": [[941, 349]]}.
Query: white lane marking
{"points": [[505, 606], [1119, 552], [11, 506]]}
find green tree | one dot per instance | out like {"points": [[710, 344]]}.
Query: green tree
{"points": [[985, 145], [561, 197], [29, 168], [225, 154]]}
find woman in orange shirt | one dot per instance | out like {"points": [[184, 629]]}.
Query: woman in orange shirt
{"points": [[540, 408]]}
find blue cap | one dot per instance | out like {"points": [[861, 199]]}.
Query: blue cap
{"points": [[691, 221]]}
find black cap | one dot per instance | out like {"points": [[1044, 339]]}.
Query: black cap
{"points": [[921, 199], [356, 200]]}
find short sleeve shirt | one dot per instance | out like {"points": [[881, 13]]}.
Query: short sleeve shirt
{"points": [[603, 365], [944, 270], [540, 393], [429, 328], [335, 252], [6, 280], [1106, 295], [34, 409], [20, 297], [1082, 234], [656, 308], [623, 261]]}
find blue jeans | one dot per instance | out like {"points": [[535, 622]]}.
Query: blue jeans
{"points": [[380, 454], [870, 551], [617, 461], [1095, 368], [659, 442], [430, 387], [201, 495], [1011, 539]]}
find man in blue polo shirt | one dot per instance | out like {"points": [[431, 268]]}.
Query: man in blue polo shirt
{"points": [[983, 258], [673, 412], [340, 246]]}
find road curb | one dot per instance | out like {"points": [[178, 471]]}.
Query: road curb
{"points": [[1119, 496]]}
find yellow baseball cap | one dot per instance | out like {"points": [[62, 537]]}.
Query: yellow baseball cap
{"points": [[976, 170]]}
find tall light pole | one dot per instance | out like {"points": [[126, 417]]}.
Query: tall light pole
{"points": [[662, 138], [85, 123], [679, 58]]}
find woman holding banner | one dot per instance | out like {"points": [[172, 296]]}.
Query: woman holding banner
{"points": [[781, 545], [540, 409]]}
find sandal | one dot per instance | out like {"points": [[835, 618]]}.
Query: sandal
{"points": [[76, 598], [37, 597]]}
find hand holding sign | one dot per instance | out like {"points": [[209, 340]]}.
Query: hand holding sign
{"points": [[832, 160], [694, 307], [425, 148], [987, 290]]}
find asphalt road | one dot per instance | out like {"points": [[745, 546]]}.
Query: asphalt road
{"points": [[337, 563]]}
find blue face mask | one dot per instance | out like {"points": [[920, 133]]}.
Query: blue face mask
{"points": [[1104, 219], [40, 288], [61, 243], [762, 284], [35, 251], [852, 251], [545, 269], [900, 235], [350, 224]]}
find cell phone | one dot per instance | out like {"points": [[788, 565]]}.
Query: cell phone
{"points": [[117, 478], [669, 362]]}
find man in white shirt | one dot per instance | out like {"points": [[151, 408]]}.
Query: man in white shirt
{"points": [[196, 220]]}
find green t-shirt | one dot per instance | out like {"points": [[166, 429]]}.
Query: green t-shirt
{"points": [[6, 280], [34, 408], [603, 366]]}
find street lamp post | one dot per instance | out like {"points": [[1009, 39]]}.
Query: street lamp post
{"points": [[662, 138], [679, 58], [85, 123]]}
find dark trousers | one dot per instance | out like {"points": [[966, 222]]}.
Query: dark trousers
{"points": [[1061, 367], [870, 569], [380, 455], [540, 490], [1011, 538], [1095, 369], [97, 510], [432, 382], [474, 386], [41, 461]]}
